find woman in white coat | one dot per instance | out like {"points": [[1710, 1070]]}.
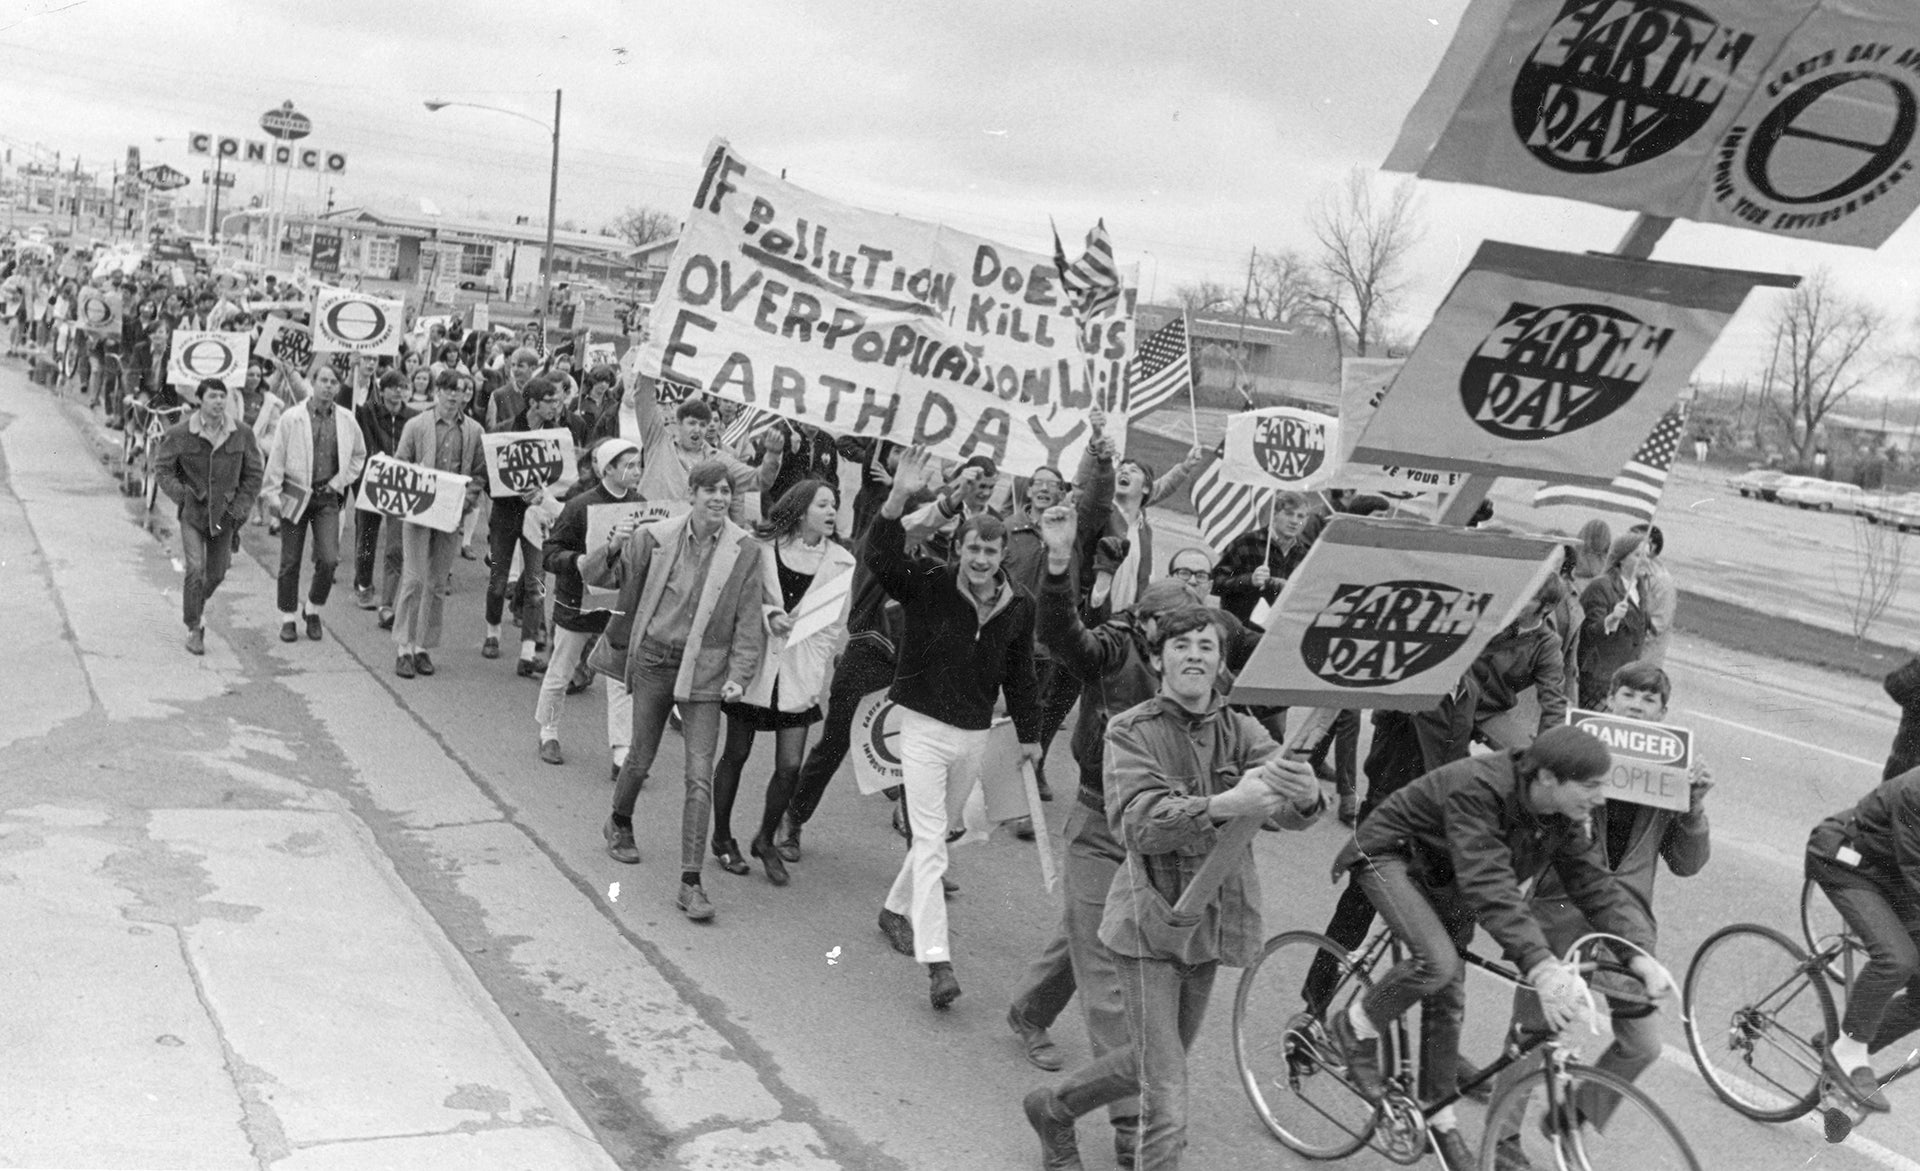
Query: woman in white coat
{"points": [[810, 573]]}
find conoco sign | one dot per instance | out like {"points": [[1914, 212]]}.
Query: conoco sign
{"points": [[286, 122]]}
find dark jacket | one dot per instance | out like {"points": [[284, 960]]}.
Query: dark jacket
{"points": [[214, 486], [1601, 654], [1903, 687], [382, 427], [1468, 826], [1516, 660], [952, 666], [1026, 558], [1233, 576], [566, 545], [814, 456], [1884, 828]]}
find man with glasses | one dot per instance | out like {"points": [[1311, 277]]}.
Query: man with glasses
{"points": [[448, 440]]}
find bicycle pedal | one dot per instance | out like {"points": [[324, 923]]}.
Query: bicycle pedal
{"points": [[1838, 1124]]}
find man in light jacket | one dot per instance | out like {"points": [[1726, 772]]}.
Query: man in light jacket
{"points": [[316, 458]]}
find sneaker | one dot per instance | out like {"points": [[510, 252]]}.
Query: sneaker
{"points": [[693, 903], [1362, 1057], [550, 752], [620, 845], [1041, 1050], [365, 599], [1454, 1153], [385, 621], [1059, 1145], [942, 986], [490, 648], [530, 668], [898, 929], [1023, 828], [1863, 1087], [197, 641], [289, 632], [313, 627], [422, 663], [403, 666]]}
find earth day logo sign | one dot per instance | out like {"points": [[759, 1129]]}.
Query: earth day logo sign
{"points": [[1379, 633], [1290, 447], [1552, 370]]}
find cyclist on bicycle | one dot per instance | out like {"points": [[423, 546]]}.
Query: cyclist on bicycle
{"points": [[1635, 838], [1458, 847], [1867, 860]]}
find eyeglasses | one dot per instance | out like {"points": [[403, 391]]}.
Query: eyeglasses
{"points": [[1191, 575]]}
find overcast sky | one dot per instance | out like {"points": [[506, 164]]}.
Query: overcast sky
{"points": [[1197, 130]]}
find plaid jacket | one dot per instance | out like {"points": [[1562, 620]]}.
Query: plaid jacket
{"points": [[1233, 576]]}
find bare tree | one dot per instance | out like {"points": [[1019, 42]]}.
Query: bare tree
{"points": [[1364, 237], [1286, 288], [1879, 563], [644, 225], [1207, 297], [1824, 349]]}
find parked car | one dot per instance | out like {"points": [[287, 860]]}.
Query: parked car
{"points": [[1752, 483], [480, 284], [1825, 495], [1902, 512], [1772, 491]]}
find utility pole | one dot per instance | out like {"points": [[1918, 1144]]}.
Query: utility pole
{"points": [[213, 214]]}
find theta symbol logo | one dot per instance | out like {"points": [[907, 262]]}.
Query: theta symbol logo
{"points": [[208, 357], [358, 323], [1550, 371], [1382, 633]]}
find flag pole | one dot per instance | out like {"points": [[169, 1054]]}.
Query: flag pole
{"points": [[1193, 406], [1240, 342]]}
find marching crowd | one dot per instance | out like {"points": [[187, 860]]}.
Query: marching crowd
{"points": [[754, 602]]}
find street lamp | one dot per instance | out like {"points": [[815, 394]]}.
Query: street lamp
{"points": [[553, 191]]}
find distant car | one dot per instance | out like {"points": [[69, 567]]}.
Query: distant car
{"points": [[480, 284], [1752, 483], [1902, 512], [1825, 495]]}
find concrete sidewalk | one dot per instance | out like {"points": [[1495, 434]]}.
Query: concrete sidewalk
{"points": [[212, 963]]}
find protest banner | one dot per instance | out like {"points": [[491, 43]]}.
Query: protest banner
{"points": [[98, 312], [482, 319], [288, 342], [1390, 614], [878, 325], [355, 323], [1280, 447], [201, 353], [599, 354], [519, 460], [600, 521], [1652, 762], [1791, 118], [1363, 383], [876, 743], [1551, 366], [416, 494]]}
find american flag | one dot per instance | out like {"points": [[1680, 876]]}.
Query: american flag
{"points": [[1636, 490], [1092, 282], [750, 422], [1161, 369], [1225, 510]]}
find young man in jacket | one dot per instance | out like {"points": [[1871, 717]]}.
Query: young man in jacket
{"points": [[446, 439], [1458, 847], [617, 463], [381, 419], [506, 533], [1178, 767], [670, 447], [211, 468], [318, 453], [967, 636]]}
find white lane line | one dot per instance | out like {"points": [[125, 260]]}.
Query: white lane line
{"points": [[1700, 715], [1674, 1055]]}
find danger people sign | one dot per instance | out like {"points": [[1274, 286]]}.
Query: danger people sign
{"points": [[1651, 762]]}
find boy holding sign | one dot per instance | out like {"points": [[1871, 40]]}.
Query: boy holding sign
{"points": [[504, 530]]}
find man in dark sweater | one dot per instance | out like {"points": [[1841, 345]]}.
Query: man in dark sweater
{"points": [[380, 418], [967, 635]]}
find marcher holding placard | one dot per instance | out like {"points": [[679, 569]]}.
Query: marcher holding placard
{"points": [[1616, 619], [212, 469], [541, 409], [690, 631], [316, 458], [1257, 565], [1526, 654], [448, 441], [1636, 839], [575, 626], [671, 449], [809, 573], [381, 420]]}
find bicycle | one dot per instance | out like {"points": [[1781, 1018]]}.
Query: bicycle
{"points": [[139, 442], [1760, 1009], [1297, 1080]]}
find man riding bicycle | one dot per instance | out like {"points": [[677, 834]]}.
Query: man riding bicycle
{"points": [[1867, 860], [1458, 847]]}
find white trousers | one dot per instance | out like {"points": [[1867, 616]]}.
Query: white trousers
{"points": [[568, 645], [939, 766]]}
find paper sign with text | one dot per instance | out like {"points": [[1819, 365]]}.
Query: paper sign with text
{"points": [[600, 521], [289, 342], [356, 323], [600, 354], [1550, 365], [1651, 762], [1390, 614], [878, 325], [416, 494], [1363, 383], [197, 354], [98, 312], [1281, 447], [518, 460], [1795, 117]]}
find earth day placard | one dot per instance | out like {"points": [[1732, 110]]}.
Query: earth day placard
{"points": [[878, 325]]}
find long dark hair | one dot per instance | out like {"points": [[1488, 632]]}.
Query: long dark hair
{"points": [[790, 511]]}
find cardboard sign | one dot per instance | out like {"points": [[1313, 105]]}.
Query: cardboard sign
{"points": [[878, 325], [1363, 383], [1390, 614], [824, 604], [289, 342], [1281, 447], [356, 323], [98, 312], [198, 353], [416, 494], [1796, 118], [600, 354], [1551, 366], [518, 460], [601, 518], [1651, 762], [876, 743]]}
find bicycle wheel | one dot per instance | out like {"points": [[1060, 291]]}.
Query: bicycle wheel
{"points": [[129, 465], [1289, 1064], [1757, 1015], [149, 479], [1637, 1133], [1820, 923]]}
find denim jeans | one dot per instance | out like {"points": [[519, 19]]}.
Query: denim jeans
{"points": [[367, 546], [323, 518], [939, 764], [205, 559], [1889, 927], [503, 537], [1166, 1002], [1434, 925], [650, 677], [1075, 959]]}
